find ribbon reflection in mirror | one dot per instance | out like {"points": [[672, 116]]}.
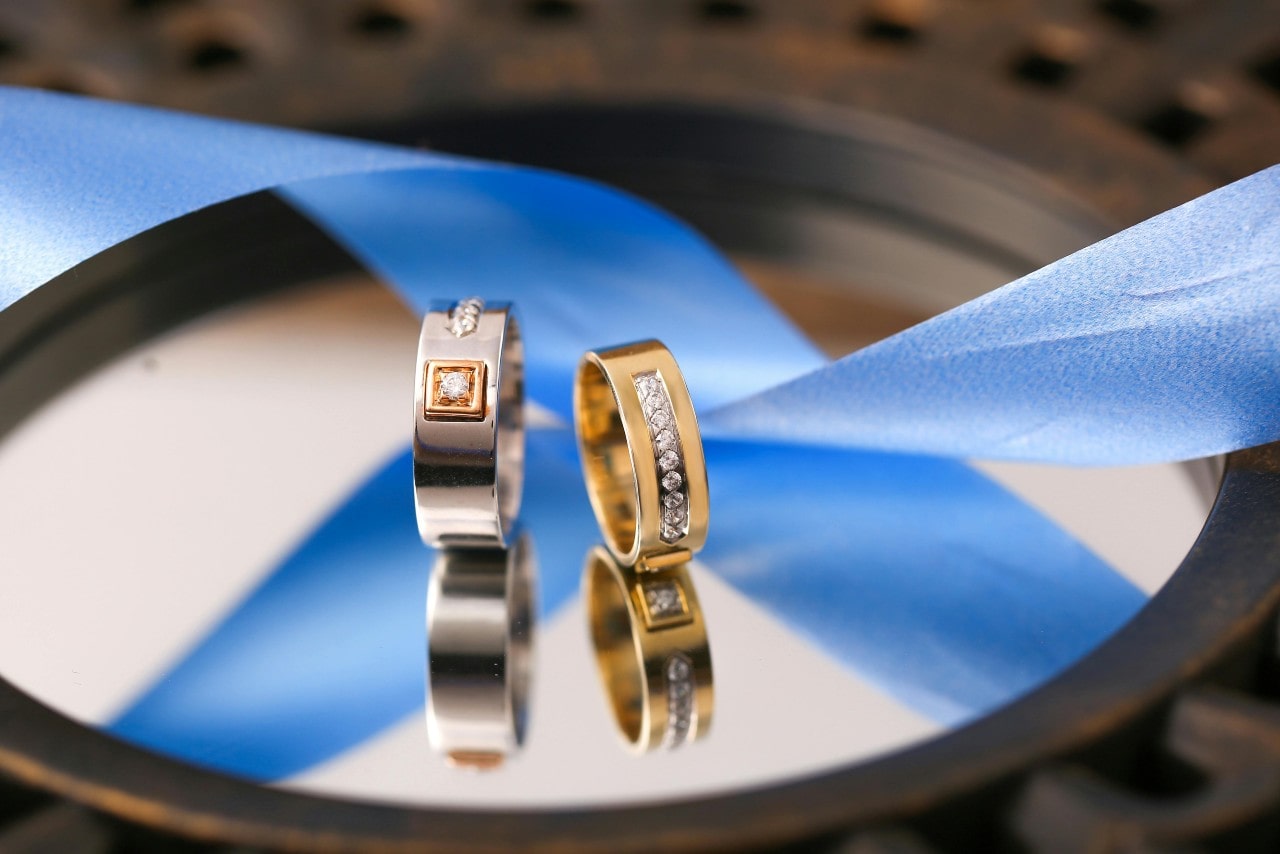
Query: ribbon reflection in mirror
{"points": [[650, 644], [480, 613]]}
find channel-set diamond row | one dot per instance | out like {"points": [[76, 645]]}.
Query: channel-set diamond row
{"points": [[680, 714], [667, 452], [464, 317]]}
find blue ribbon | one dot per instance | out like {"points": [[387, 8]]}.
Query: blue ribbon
{"points": [[1154, 345], [1063, 363], [1157, 344], [588, 267], [78, 176]]}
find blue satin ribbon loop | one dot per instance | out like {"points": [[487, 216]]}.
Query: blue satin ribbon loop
{"points": [[1152, 346], [78, 175], [1157, 344], [587, 267]]}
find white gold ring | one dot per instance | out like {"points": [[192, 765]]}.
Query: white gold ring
{"points": [[468, 438]]}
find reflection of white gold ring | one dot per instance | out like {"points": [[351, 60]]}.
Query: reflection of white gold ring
{"points": [[468, 440], [651, 648], [480, 612], [641, 454]]}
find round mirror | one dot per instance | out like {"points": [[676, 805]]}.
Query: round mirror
{"points": [[207, 577]]}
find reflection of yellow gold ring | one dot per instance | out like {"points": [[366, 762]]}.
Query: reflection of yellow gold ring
{"points": [[651, 646], [642, 454]]}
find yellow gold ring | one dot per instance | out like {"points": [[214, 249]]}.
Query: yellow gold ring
{"points": [[651, 648], [642, 455]]}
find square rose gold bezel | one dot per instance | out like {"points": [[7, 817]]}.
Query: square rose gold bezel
{"points": [[472, 409]]}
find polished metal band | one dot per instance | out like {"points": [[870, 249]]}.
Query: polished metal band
{"points": [[642, 454], [468, 439], [651, 648], [480, 613]]}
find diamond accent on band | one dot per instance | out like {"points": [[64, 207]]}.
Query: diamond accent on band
{"points": [[455, 385], [681, 716], [664, 599], [454, 389], [464, 317], [655, 398]]}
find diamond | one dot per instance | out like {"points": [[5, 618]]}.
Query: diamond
{"points": [[464, 317], [655, 402], [455, 385], [659, 418], [680, 701], [648, 385], [673, 516], [453, 389], [665, 440], [669, 460], [673, 499], [664, 599], [672, 480], [670, 534]]}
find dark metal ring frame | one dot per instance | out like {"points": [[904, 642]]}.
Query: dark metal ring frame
{"points": [[1166, 735]]}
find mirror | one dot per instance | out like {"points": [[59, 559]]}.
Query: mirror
{"points": [[164, 505], [218, 558]]}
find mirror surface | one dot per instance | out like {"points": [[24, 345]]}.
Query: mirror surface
{"points": [[160, 500]]}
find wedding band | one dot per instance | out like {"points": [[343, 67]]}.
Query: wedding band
{"points": [[642, 455], [468, 439], [651, 649], [480, 616]]}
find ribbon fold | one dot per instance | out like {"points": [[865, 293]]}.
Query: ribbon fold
{"points": [[1155, 345]]}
